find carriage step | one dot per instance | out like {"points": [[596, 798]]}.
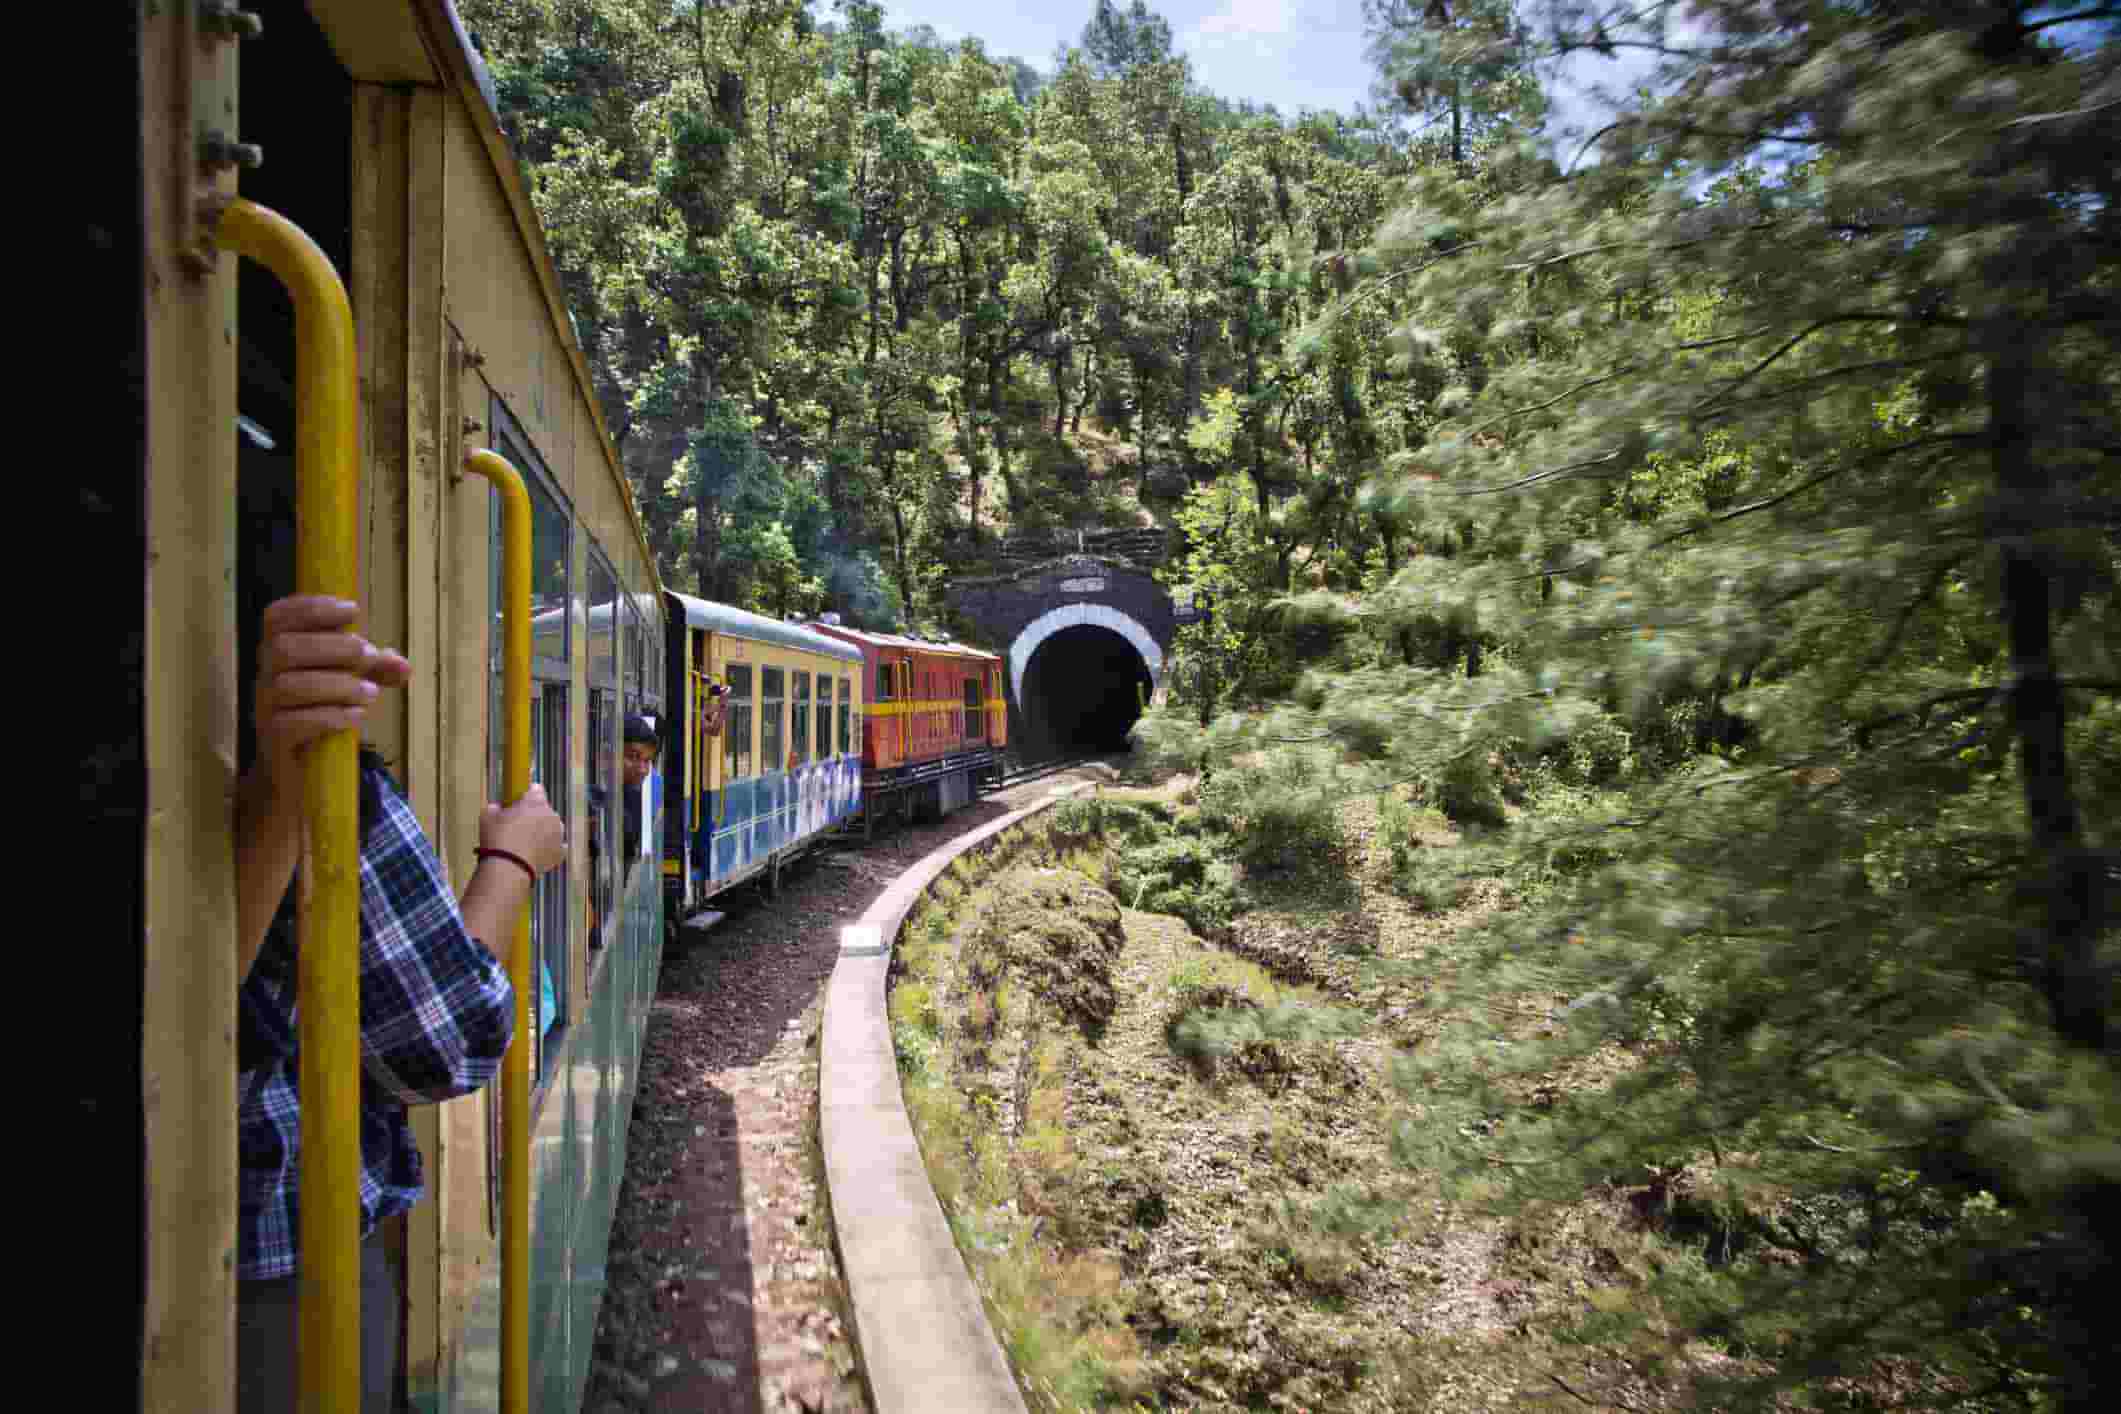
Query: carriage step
{"points": [[703, 920]]}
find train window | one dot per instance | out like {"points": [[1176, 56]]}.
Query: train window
{"points": [[550, 529], [549, 719], [604, 745], [651, 659], [883, 681], [846, 717], [736, 724], [824, 717], [771, 695], [971, 723], [551, 644], [799, 735], [632, 679], [637, 656]]}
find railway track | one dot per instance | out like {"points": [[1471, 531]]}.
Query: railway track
{"points": [[1039, 770]]}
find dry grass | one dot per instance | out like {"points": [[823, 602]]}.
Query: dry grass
{"points": [[1154, 1233]]}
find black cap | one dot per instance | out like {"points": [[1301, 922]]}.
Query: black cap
{"points": [[638, 730]]}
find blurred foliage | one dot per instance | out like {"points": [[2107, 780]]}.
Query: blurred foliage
{"points": [[1755, 611], [1715, 514]]}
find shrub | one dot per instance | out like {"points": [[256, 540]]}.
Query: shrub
{"points": [[1322, 1246], [915, 1048], [1465, 790], [1282, 817], [1227, 1009], [1598, 752], [1395, 831], [1179, 875]]}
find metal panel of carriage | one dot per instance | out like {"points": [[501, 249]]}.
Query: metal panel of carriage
{"points": [[937, 721], [786, 766]]}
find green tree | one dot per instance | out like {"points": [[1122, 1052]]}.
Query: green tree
{"points": [[1801, 400], [1467, 62], [1115, 41], [1225, 572], [895, 276]]}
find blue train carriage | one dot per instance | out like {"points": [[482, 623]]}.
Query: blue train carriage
{"points": [[786, 768]]}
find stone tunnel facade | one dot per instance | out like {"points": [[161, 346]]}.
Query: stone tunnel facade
{"points": [[1084, 637]]}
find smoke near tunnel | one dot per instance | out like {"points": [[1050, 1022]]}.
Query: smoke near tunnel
{"points": [[1083, 690]]}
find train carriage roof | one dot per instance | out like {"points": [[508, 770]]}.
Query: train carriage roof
{"points": [[945, 648], [741, 623]]}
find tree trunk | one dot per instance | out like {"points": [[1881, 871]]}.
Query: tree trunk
{"points": [[975, 458], [707, 543], [1141, 419], [874, 259], [898, 554], [1075, 420], [833, 489], [997, 381], [707, 504], [1181, 167], [898, 280], [1060, 390], [2065, 953], [961, 420], [1190, 409], [2068, 968]]}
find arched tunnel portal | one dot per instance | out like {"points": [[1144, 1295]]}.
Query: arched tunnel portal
{"points": [[1081, 676]]}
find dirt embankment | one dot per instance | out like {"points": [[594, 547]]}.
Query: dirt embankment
{"points": [[1172, 1167]]}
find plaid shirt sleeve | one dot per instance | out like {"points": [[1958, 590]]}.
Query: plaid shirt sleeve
{"points": [[436, 1008]]}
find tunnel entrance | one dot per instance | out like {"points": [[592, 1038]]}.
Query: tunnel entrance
{"points": [[1083, 690]]}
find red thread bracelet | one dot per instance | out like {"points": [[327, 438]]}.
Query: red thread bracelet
{"points": [[513, 858]]}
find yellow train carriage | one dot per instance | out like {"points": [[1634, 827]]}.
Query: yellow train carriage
{"points": [[378, 138]]}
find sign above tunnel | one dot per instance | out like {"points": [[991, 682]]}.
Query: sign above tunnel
{"points": [[1082, 586]]}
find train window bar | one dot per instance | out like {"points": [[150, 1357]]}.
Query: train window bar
{"points": [[772, 692], [737, 721]]}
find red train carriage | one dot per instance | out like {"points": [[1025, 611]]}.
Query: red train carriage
{"points": [[937, 723]]}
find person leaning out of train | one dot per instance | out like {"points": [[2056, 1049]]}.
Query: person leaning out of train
{"points": [[643, 746], [437, 1012]]}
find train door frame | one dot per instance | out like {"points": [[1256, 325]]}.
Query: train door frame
{"points": [[117, 265], [552, 716], [708, 776], [672, 854], [190, 640], [908, 746]]}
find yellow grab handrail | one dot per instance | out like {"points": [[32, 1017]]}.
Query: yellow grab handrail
{"points": [[327, 527], [515, 1068]]}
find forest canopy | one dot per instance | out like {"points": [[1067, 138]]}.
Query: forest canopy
{"points": [[1718, 513]]}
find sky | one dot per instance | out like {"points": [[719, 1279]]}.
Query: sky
{"points": [[1293, 54]]}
